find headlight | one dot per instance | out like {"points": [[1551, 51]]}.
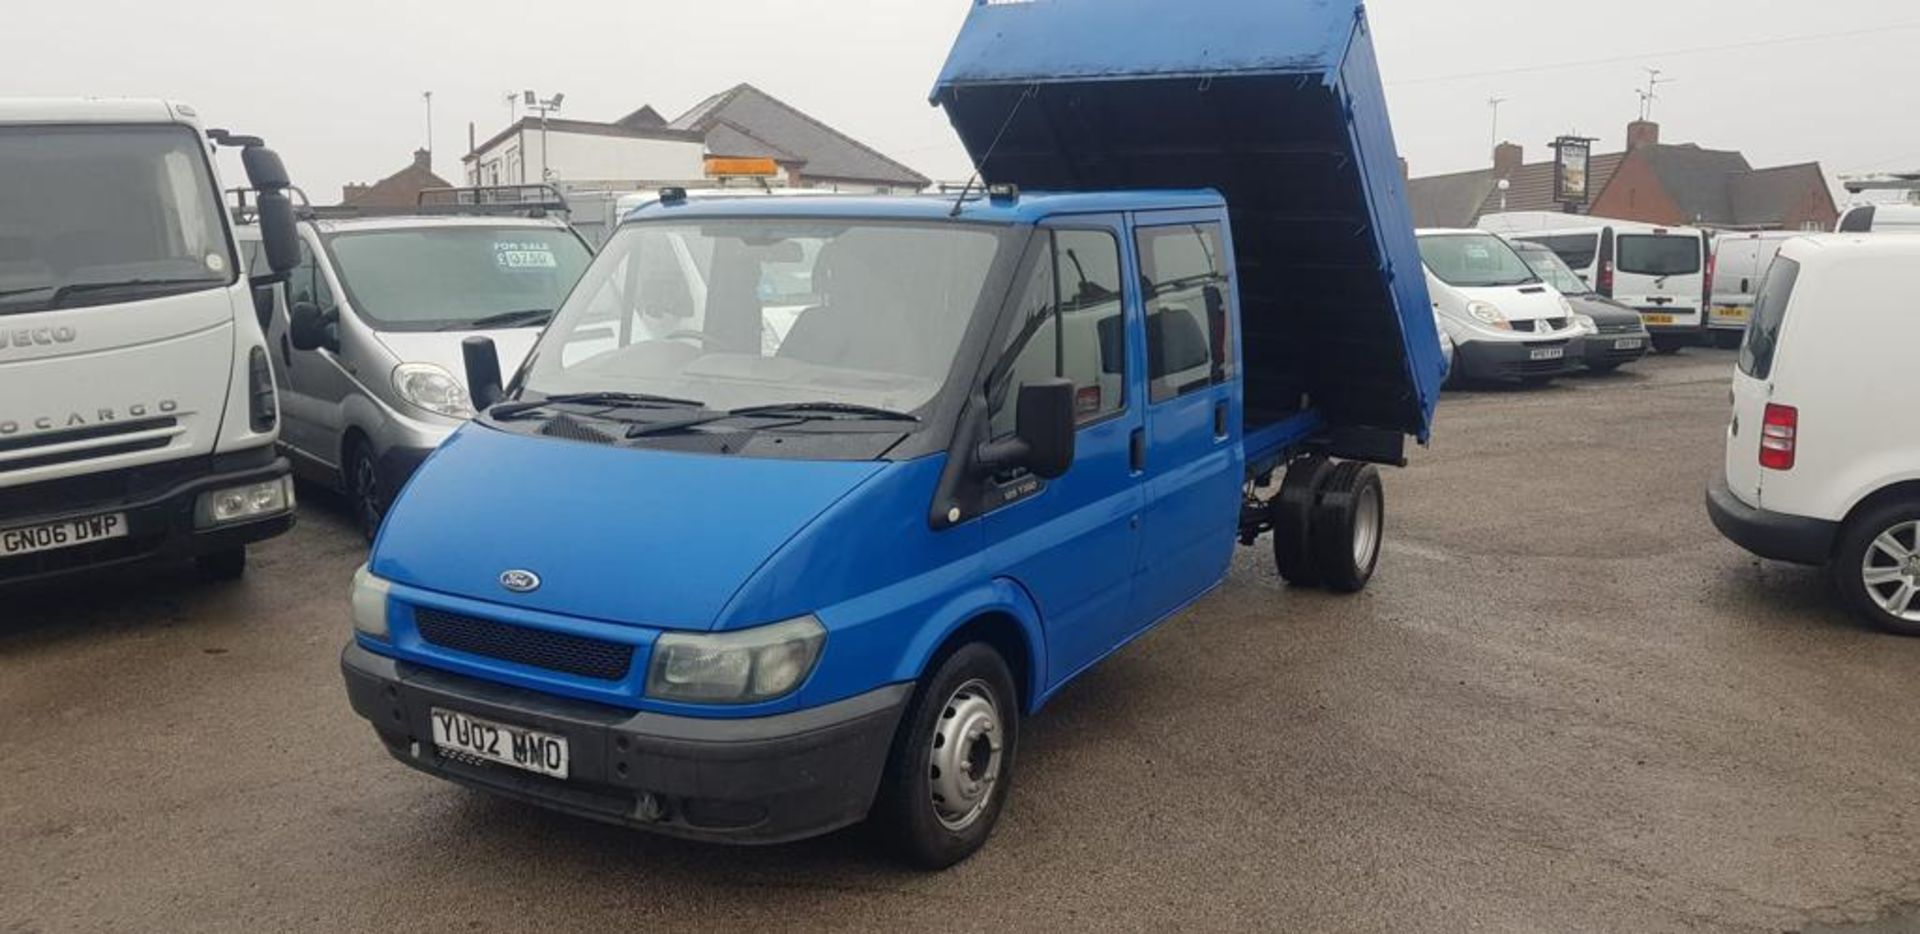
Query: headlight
{"points": [[1585, 323], [241, 503], [1489, 314], [735, 667], [433, 389], [370, 603]]}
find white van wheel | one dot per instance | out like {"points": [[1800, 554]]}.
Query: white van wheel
{"points": [[1878, 567]]}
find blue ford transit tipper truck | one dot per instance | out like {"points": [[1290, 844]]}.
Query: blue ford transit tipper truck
{"points": [[800, 505]]}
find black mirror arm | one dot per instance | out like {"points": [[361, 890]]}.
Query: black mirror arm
{"points": [[997, 457]]}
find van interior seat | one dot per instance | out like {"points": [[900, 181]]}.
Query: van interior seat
{"points": [[865, 317]]}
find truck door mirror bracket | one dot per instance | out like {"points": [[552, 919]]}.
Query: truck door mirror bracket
{"points": [[1044, 434]]}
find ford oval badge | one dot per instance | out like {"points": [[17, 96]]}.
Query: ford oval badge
{"points": [[520, 581]]}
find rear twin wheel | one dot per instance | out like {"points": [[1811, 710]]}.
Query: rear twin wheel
{"points": [[1328, 524]]}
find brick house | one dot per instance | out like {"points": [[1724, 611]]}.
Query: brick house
{"points": [[399, 190], [1651, 181]]}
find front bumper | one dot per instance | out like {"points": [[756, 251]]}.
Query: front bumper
{"points": [[1773, 535], [763, 780], [159, 505], [1508, 360]]}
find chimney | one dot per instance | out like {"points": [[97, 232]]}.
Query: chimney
{"points": [[351, 193], [1641, 134], [1507, 159], [423, 159]]}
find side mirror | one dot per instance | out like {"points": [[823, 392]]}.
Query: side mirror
{"points": [[308, 327], [265, 171], [483, 372], [1043, 436], [279, 239]]}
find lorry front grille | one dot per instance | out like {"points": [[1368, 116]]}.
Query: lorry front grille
{"points": [[16, 453], [535, 648]]}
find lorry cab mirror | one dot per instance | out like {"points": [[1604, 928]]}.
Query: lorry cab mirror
{"points": [[265, 170], [279, 238], [1044, 433], [309, 327], [483, 372]]}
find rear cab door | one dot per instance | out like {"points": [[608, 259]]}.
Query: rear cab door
{"points": [[1193, 463]]}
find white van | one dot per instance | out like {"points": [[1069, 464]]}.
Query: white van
{"points": [[1881, 218], [1504, 323], [1823, 461], [1665, 273], [1740, 262]]}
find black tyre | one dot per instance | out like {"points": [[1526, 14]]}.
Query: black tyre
{"points": [[227, 564], [364, 494], [952, 761], [1292, 514], [1603, 369], [1348, 527], [1877, 567], [1728, 340], [1667, 346]]}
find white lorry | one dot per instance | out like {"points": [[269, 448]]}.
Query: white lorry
{"points": [[137, 409]]}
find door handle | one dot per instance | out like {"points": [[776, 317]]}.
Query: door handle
{"points": [[1220, 420], [1137, 450]]}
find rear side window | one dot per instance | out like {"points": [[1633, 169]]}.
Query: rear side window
{"points": [[1183, 270], [1578, 250], [1650, 255], [1769, 313]]}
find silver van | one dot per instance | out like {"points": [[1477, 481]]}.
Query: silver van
{"points": [[366, 337]]}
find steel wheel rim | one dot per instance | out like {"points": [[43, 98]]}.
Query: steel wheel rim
{"points": [[1366, 529], [964, 756], [1891, 571]]}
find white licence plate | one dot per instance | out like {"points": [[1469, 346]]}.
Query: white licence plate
{"points": [[521, 748], [1550, 353], [56, 535], [1631, 343]]}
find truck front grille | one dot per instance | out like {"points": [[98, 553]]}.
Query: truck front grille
{"points": [[535, 648], [105, 440]]}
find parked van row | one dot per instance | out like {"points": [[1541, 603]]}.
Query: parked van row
{"points": [[1664, 273], [1515, 311]]}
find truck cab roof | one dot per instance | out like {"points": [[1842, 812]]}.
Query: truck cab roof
{"points": [[32, 110], [1025, 208]]}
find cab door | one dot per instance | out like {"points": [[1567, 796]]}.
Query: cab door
{"points": [[311, 382], [1072, 542], [1193, 465]]}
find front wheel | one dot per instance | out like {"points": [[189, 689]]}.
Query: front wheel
{"points": [[363, 490], [227, 564], [1349, 525], [1877, 568], [1667, 346], [952, 763]]}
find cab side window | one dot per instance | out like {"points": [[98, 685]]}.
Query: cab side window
{"points": [[1183, 270], [1071, 323], [307, 283]]}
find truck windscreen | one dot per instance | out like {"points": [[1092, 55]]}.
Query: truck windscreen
{"points": [[742, 313], [98, 215], [456, 277]]}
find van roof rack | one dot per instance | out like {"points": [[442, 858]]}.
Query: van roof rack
{"points": [[532, 201], [246, 209]]}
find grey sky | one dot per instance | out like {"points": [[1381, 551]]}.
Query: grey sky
{"points": [[336, 85]]}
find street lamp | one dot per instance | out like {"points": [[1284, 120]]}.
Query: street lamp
{"points": [[543, 107]]}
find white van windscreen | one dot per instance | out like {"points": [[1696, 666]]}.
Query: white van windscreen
{"points": [[1769, 313], [1654, 255]]}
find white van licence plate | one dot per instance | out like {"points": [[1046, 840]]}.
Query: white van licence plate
{"points": [[1549, 353], [56, 535], [519, 747]]}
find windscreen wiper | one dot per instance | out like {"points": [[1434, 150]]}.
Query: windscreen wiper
{"points": [[626, 400], [788, 413], [532, 317]]}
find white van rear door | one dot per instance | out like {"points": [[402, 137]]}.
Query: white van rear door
{"points": [[1663, 274]]}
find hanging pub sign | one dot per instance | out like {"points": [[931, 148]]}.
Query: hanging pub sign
{"points": [[1572, 165]]}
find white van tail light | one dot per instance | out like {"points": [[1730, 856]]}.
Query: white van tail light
{"points": [[1779, 437]]}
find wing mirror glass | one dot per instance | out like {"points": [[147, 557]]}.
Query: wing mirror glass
{"points": [[483, 372], [1044, 433]]}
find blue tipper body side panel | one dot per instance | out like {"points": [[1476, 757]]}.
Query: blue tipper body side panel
{"points": [[1277, 104]]}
